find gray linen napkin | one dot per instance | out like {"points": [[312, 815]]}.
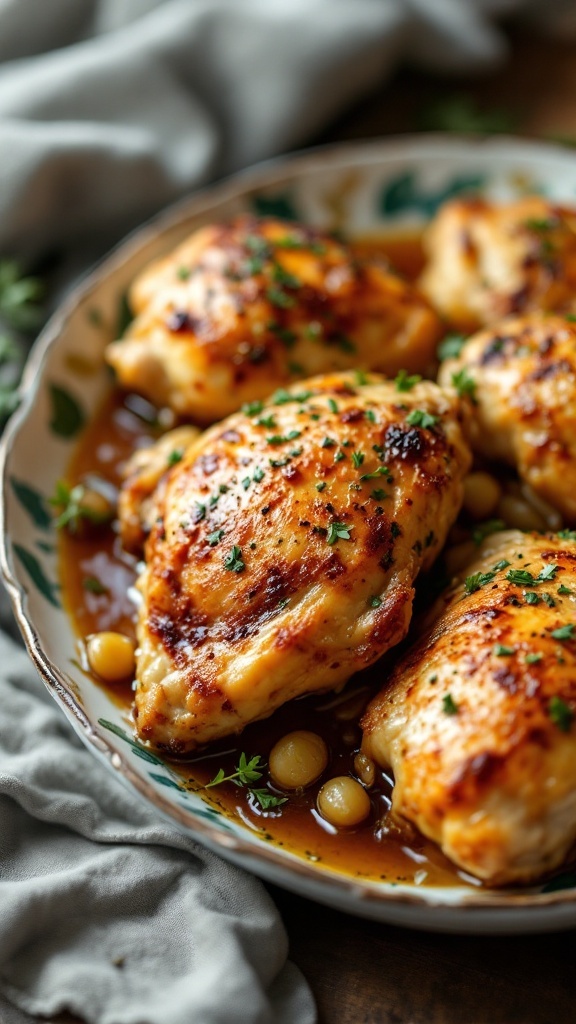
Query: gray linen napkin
{"points": [[108, 110]]}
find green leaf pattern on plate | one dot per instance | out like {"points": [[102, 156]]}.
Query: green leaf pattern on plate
{"points": [[33, 503], [279, 204], [404, 193], [37, 574], [67, 415]]}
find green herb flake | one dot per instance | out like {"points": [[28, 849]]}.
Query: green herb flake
{"points": [[246, 771], [175, 456], [328, 442], [266, 799], [531, 597], [501, 651], [380, 471], [94, 585], [252, 408], [215, 538], [258, 475], [464, 384], [560, 713], [563, 590], [563, 632], [451, 346], [378, 494], [320, 486], [358, 459], [502, 564], [233, 560], [477, 580], [405, 382], [339, 456], [267, 421], [338, 531], [332, 405], [421, 418], [375, 602], [449, 705], [533, 658], [183, 273]]}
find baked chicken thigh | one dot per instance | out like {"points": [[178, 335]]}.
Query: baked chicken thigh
{"points": [[521, 377], [488, 261], [240, 309], [477, 719], [283, 548]]}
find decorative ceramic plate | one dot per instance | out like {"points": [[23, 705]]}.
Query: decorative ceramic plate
{"points": [[360, 188]]}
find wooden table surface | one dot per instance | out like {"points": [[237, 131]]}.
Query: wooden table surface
{"points": [[366, 973]]}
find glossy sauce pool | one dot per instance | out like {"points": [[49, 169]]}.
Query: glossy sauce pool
{"points": [[379, 848]]}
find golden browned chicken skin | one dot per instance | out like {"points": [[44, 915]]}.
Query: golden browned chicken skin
{"points": [[477, 719], [283, 550], [489, 260], [243, 308], [521, 378]]}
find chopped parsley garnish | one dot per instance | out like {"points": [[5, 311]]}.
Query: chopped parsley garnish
{"points": [[338, 531], [321, 485], [360, 377], [464, 384], [266, 421], [175, 456], [328, 442], [501, 651], [563, 632], [252, 408], [523, 578], [282, 397], [531, 597], [451, 346], [449, 705], [199, 512], [563, 590], [233, 560], [358, 459], [532, 659], [378, 494], [371, 415], [286, 336], [183, 273], [567, 534], [332, 405], [549, 600], [477, 580], [339, 456], [282, 438], [94, 586], [258, 475], [560, 713], [421, 418], [246, 483], [380, 471], [405, 382], [502, 564], [215, 538], [280, 298], [375, 602]]}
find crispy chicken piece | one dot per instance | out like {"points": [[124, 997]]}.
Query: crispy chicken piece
{"points": [[488, 261], [521, 377], [477, 719], [284, 547], [240, 309]]}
